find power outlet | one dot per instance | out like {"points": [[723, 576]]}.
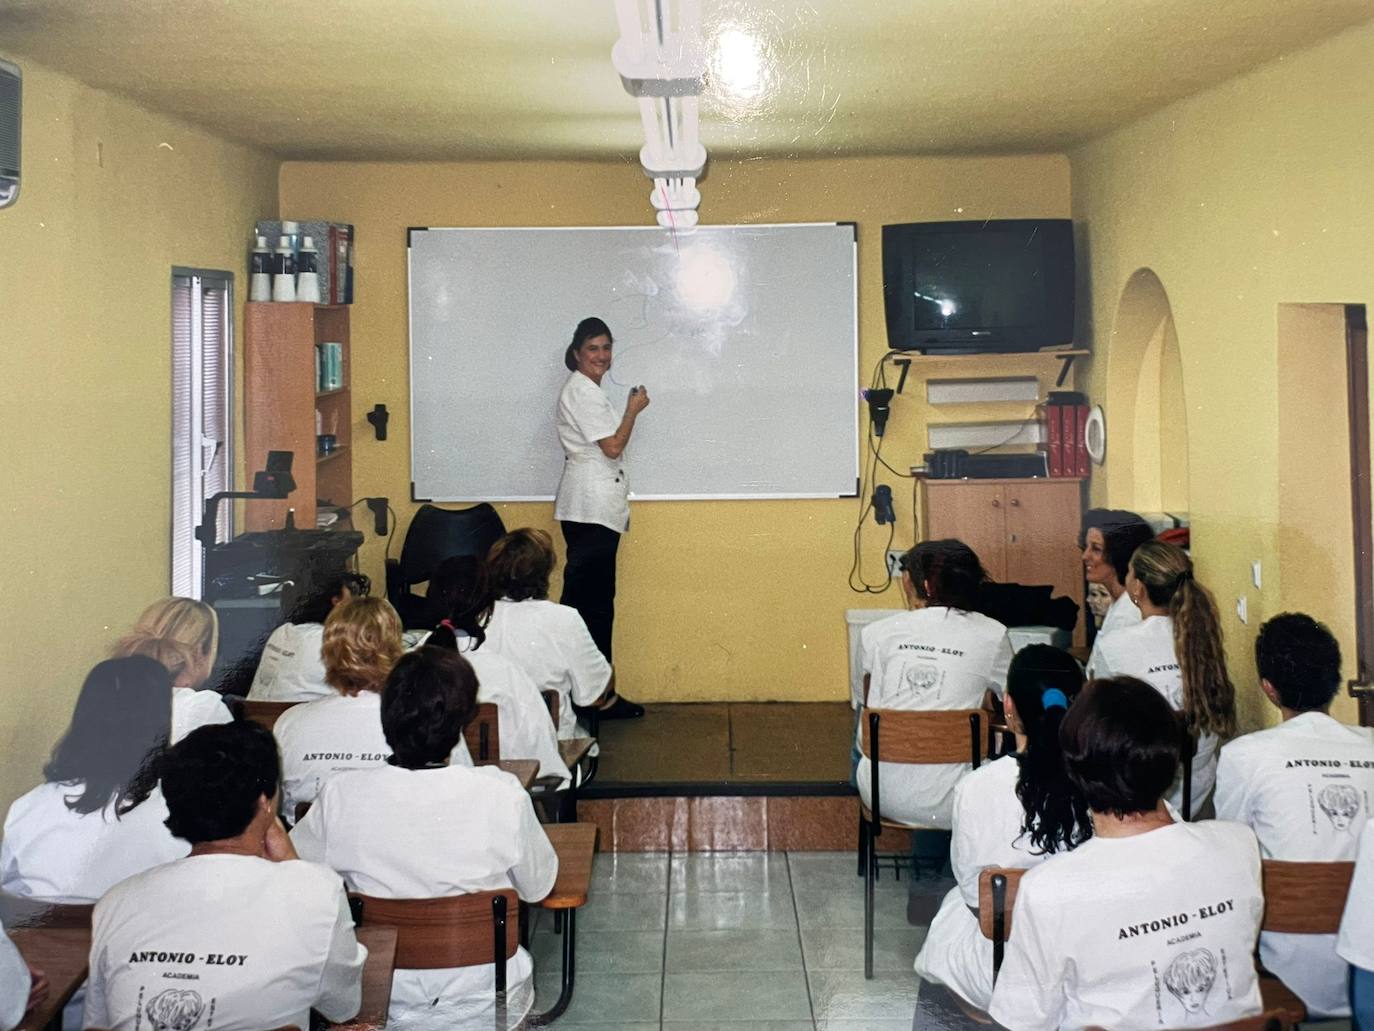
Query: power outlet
{"points": [[894, 559]]}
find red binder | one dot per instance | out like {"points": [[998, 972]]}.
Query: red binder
{"points": [[1080, 439], [1055, 448]]}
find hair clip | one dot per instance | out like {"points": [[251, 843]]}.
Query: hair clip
{"points": [[1053, 698]]}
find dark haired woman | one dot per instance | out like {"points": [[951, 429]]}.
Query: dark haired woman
{"points": [[1177, 649], [1012, 812], [547, 640], [291, 669], [592, 504], [1150, 923], [941, 655], [1109, 539], [99, 817], [421, 828]]}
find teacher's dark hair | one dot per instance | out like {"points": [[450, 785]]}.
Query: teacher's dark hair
{"points": [[1043, 683], [1121, 743], [117, 736], [212, 780], [586, 330], [430, 696]]}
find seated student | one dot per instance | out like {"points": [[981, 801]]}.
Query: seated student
{"points": [[1310, 765], [21, 987], [240, 935], [1177, 649], [1150, 923], [1012, 812], [183, 635], [419, 828], [941, 655], [547, 640], [1109, 538], [527, 732], [1355, 943], [362, 641], [291, 669], [99, 817]]}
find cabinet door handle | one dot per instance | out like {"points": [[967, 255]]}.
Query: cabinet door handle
{"points": [[996, 503], [1015, 502]]}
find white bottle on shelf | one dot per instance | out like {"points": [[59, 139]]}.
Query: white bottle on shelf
{"points": [[260, 269], [283, 272], [307, 273]]}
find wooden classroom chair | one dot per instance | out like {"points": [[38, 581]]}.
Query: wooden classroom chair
{"points": [[469, 930], [997, 886], [575, 844], [483, 735], [1300, 898], [18, 911], [264, 714], [895, 736]]}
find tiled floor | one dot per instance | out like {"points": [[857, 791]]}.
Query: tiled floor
{"points": [[772, 941]]}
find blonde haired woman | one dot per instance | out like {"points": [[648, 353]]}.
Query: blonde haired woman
{"points": [[362, 641], [1177, 649], [183, 635]]}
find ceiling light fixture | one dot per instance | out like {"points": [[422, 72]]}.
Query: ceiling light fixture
{"points": [[662, 64]]}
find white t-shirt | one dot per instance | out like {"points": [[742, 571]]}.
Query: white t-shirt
{"points": [[416, 834], [1355, 944], [928, 659], [1120, 613], [1146, 651], [527, 731], [232, 942], [550, 642], [291, 669], [15, 983], [1304, 787], [52, 852], [987, 833], [593, 488], [1152, 931], [192, 709], [322, 738]]}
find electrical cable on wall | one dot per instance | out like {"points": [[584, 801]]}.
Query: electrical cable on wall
{"points": [[869, 499]]}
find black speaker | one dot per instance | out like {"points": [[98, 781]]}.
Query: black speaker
{"points": [[11, 92]]}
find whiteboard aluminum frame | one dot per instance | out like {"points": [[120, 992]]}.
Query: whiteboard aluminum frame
{"points": [[478, 499]]}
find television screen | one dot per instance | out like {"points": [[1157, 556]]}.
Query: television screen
{"points": [[997, 285]]}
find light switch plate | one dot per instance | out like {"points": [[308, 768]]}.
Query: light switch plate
{"points": [[1243, 610]]}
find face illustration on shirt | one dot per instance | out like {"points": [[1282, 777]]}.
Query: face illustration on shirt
{"points": [[920, 678], [174, 1010], [1341, 804], [1189, 978]]}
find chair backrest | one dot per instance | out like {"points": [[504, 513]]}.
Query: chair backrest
{"points": [[997, 888], [483, 735], [264, 714], [1305, 898], [551, 703], [939, 736], [1186, 754], [439, 533], [19, 911], [457, 931]]}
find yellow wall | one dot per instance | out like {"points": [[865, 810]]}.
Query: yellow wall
{"points": [[1241, 198], [740, 600], [112, 197]]}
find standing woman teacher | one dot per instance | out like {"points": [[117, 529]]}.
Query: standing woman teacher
{"points": [[593, 504]]}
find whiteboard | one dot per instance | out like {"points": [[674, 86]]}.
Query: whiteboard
{"points": [[746, 338]]}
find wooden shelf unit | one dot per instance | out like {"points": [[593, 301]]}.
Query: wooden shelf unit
{"points": [[281, 401]]}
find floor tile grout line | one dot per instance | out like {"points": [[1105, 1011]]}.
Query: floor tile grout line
{"points": [[801, 945], [663, 959]]}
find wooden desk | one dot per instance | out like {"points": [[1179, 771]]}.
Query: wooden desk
{"points": [[575, 844], [377, 971], [574, 750], [62, 954], [524, 770]]}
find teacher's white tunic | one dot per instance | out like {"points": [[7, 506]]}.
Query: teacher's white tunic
{"points": [[593, 488]]}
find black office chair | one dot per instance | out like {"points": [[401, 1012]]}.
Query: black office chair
{"points": [[434, 535]]}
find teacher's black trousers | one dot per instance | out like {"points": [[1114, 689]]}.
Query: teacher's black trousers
{"points": [[589, 578]]}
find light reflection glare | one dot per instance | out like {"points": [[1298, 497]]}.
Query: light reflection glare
{"points": [[705, 278], [737, 64]]}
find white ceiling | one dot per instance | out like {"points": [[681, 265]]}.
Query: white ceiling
{"points": [[462, 79]]}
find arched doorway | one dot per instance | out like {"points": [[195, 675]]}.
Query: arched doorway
{"points": [[1147, 415]]}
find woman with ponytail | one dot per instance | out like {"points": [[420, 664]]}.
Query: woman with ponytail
{"points": [[1012, 812], [526, 729], [1177, 649]]}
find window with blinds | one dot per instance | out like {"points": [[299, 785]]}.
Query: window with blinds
{"points": [[202, 431]]}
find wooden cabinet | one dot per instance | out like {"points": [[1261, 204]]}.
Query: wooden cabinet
{"points": [[1024, 531], [280, 403]]}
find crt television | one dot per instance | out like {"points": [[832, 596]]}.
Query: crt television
{"points": [[984, 286]]}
